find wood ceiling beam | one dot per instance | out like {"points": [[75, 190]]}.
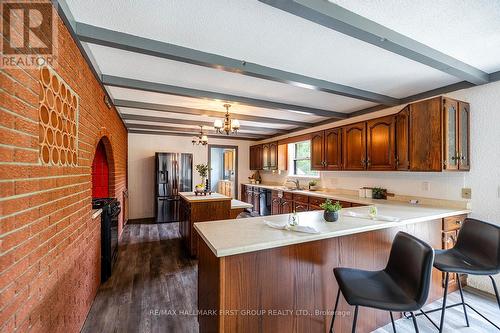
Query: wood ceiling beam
{"points": [[351, 24], [206, 113], [123, 41], [228, 137]]}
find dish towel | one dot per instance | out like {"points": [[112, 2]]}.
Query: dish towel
{"points": [[297, 228], [368, 216]]}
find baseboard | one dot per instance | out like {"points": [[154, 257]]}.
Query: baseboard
{"points": [[480, 292], [146, 220]]}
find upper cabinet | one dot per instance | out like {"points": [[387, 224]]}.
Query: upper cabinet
{"points": [[268, 157], [430, 135], [402, 139], [256, 157], [380, 144], [354, 146], [326, 149]]}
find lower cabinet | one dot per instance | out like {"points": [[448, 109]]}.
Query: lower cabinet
{"points": [[282, 203], [451, 228]]}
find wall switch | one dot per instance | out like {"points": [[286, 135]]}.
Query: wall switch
{"points": [[426, 186], [466, 193]]}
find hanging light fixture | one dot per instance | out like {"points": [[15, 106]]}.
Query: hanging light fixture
{"points": [[201, 139], [227, 125]]}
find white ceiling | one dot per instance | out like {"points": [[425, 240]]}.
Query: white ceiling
{"points": [[255, 32]]}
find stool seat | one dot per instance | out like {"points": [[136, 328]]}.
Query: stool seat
{"points": [[374, 289], [454, 260]]}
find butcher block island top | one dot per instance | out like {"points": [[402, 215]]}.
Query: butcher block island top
{"points": [[252, 234], [191, 197]]}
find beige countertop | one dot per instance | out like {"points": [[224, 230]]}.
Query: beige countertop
{"points": [[237, 204], [230, 237], [191, 197]]}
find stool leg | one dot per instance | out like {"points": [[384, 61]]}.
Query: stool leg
{"points": [[414, 322], [355, 319], [335, 311], [462, 297], [444, 301], [495, 289], [392, 321]]}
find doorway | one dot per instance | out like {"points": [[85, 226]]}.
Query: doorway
{"points": [[223, 162]]}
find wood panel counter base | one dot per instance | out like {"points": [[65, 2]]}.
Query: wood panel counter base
{"points": [[292, 288]]}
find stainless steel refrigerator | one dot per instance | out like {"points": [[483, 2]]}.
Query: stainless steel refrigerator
{"points": [[174, 174]]}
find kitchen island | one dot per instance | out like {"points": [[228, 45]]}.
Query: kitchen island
{"points": [[254, 278], [202, 208]]}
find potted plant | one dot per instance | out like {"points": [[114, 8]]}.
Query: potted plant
{"points": [[203, 170], [313, 185], [331, 210], [379, 193]]}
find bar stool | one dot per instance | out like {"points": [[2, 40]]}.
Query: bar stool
{"points": [[476, 252], [402, 286]]}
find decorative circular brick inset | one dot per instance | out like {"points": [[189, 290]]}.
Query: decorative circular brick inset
{"points": [[49, 98], [64, 155], [73, 129], [41, 94], [60, 123], [53, 119], [65, 141], [54, 154], [66, 110], [59, 139], [49, 136], [63, 91], [55, 84], [72, 113], [72, 143], [44, 114], [41, 133], [45, 76], [45, 154], [74, 101], [75, 158], [58, 105]]}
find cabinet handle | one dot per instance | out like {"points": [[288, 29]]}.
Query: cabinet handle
{"points": [[458, 222]]}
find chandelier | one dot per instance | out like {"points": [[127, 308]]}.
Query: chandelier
{"points": [[227, 125], [201, 139]]}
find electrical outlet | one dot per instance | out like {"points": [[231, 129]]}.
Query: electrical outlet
{"points": [[426, 186], [466, 193]]}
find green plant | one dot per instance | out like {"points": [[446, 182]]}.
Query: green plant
{"points": [[203, 170], [313, 182], [331, 207], [379, 193]]}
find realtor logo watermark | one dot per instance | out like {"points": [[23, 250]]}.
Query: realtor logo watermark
{"points": [[29, 30]]}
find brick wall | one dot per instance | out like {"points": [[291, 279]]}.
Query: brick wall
{"points": [[50, 262]]}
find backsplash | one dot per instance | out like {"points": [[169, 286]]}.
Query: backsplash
{"points": [[439, 185]]}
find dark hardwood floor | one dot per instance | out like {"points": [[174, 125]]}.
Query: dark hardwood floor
{"points": [[153, 286], [154, 289]]}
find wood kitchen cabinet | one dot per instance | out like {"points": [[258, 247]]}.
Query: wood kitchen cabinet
{"points": [[300, 203], [380, 144], [256, 157], [282, 157], [402, 139], [326, 150], [281, 203], [456, 135], [354, 146], [270, 156], [451, 227]]}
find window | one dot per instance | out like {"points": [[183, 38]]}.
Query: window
{"points": [[299, 155]]}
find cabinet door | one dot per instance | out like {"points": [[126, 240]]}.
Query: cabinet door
{"points": [[380, 146], [314, 207], [449, 240], [317, 151], [265, 156], [450, 125], [300, 207], [354, 146], [426, 135], [286, 206], [333, 149], [464, 136], [273, 156], [276, 206], [256, 157], [282, 157], [402, 139]]}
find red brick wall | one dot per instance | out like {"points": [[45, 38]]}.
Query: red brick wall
{"points": [[50, 263]]}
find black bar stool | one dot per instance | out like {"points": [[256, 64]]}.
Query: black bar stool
{"points": [[403, 286], [476, 252]]}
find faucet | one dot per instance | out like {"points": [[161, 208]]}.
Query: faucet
{"points": [[296, 182]]}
